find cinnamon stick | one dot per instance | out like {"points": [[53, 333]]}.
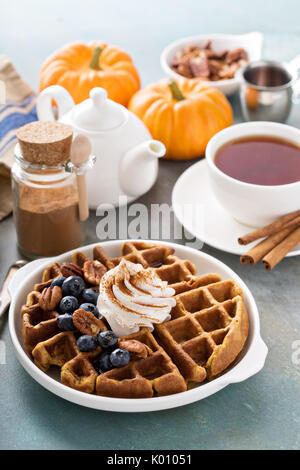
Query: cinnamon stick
{"points": [[264, 247], [270, 229], [279, 252]]}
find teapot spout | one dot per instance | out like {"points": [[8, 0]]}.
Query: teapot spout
{"points": [[139, 167]]}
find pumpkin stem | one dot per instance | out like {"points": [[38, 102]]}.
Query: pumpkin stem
{"points": [[176, 93], [95, 59]]}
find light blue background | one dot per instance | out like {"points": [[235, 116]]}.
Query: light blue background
{"points": [[260, 413], [30, 30]]}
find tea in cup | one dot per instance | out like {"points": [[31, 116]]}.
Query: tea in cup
{"points": [[254, 171]]}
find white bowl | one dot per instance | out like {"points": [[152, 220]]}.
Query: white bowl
{"points": [[251, 42], [252, 204], [249, 362]]}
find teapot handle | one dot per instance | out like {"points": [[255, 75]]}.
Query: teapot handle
{"points": [[63, 100]]}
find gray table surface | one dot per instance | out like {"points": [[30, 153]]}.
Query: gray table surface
{"points": [[260, 413]]}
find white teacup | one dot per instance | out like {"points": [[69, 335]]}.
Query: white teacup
{"points": [[252, 204]]}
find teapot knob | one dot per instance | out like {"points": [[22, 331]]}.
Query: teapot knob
{"points": [[98, 96]]}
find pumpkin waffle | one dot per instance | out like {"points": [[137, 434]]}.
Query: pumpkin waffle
{"points": [[169, 267], [207, 330], [39, 325], [142, 378], [61, 350]]}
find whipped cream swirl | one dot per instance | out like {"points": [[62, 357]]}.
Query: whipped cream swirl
{"points": [[132, 297]]}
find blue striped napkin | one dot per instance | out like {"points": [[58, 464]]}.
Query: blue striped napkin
{"points": [[16, 110], [13, 116]]}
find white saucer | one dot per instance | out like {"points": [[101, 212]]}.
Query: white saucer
{"points": [[208, 221]]}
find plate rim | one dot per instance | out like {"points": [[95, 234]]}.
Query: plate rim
{"points": [[140, 404], [175, 204]]}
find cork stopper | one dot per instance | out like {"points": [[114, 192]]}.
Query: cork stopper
{"points": [[47, 143]]}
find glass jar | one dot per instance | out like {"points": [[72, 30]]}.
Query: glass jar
{"points": [[46, 209]]}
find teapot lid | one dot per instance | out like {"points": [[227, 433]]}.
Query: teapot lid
{"points": [[98, 113]]}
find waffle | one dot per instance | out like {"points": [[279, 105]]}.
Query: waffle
{"points": [[37, 325], [207, 330], [76, 367], [156, 374], [160, 257]]}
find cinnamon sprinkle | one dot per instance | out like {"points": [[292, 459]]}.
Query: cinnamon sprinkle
{"points": [[146, 275]]}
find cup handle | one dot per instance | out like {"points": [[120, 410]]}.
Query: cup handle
{"points": [[294, 66]]}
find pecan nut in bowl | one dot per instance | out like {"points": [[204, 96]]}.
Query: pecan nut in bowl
{"points": [[71, 269], [51, 272], [79, 258], [50, 298], [87, 323], [135, 347], [93, 271], [206, 64], [32, 298], [41, 286]]}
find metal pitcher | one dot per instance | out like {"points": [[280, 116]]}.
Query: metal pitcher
{"points": [[268, 89]]}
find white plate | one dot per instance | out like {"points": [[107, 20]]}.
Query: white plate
{"points": [[251, 42], [211, 223], [250, 361]]}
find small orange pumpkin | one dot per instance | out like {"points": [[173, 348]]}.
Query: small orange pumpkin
{"points": [[79, 68], [182, 114]]}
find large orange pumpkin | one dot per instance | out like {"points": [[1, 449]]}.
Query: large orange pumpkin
{"points": [[79, 68], [182, 114]]}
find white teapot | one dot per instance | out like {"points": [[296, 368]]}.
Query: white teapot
{"points": [[127, 157]]}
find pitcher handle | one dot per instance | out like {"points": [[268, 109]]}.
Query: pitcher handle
{"points": [[44, 106], [294, 66]]}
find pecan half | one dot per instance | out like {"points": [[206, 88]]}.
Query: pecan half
{"points": [[50, 298], [51, 272], [141, 350], [71, 269], [42, 285], [200, 67], [32, 298], [80, 258], [235, 54], [93, 271], [87, 323]]}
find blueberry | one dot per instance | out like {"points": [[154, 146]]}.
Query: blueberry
{"points": [[58, 281], [73, 285], [120, 357], [90, 308], [90, 296], [68, 304], [87, 343], [107, 339], [65, 322], [103, 364]]}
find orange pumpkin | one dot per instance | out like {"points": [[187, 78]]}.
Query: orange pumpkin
{"points": [[79, 68], [182, 114]]}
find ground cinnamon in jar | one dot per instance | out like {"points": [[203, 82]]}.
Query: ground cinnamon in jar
{"points": [[45, 195]]}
